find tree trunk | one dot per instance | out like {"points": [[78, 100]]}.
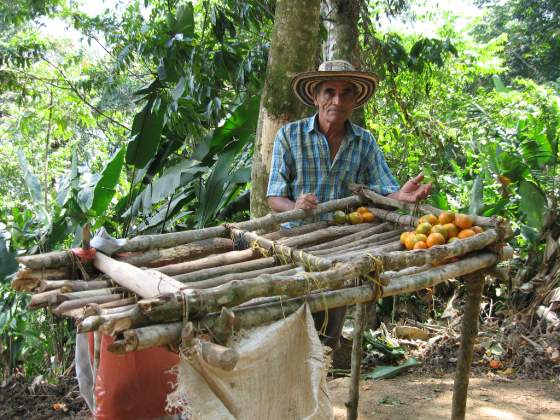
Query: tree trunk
{"points": [[293, 50], [342, 43]]}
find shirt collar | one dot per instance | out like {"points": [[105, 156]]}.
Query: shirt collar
{"points": [[312, 124]]}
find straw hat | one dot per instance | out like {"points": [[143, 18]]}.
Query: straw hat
{"points": [[303, 84]]}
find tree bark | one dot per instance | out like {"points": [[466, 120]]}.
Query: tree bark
{"points": [[293, 48], [474, 284], [356, 361]]}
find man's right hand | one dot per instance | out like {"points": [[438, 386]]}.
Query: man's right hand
{"points": [[306, 202]]}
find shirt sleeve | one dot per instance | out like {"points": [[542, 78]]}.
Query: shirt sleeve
{"points": [[379, 177], [281, 167]]}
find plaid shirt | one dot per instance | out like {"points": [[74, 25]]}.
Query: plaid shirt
{"points": [[301, 163]]}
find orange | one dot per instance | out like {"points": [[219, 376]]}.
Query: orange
{"points": [[423, 228], [355, 218], [429, 218], [404, 235], [495, 364], [368, 216], [453, 239], [439, 229], [421, 237], [446, 217], [452, 229], [465, 233], [420, 245], [477, 229], [463, 221], [410, 241], [435, 239], [362, 210]]}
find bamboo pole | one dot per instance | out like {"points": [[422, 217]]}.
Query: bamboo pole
{"points": [[397, 260], [180, 253], [356, 360], [53, 259], [285, 253], [241, 267], [27, 279], [425, 209], [145, 283], [171, 307], [72, 285], [326, 234], [62, 297], [369, 242], [212, 261], [168, 240], [379, 228], [474, 283], [296, 231], [41, 300], [79, 303], [248, 317], [284, 270], [218, 356]]}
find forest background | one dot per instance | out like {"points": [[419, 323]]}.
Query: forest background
{"points": [[144, 120]]}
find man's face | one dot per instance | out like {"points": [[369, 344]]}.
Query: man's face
{"points": [[336, 101]]}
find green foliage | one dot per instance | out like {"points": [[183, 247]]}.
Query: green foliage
{"points": [[531, 27]]}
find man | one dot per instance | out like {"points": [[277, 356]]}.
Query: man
{"points": [[315, 159]]}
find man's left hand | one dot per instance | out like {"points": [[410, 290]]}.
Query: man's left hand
{"points": [[413, 191]]}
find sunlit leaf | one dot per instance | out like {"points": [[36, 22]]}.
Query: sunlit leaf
{"points": [[146, 129], [105, 186], [31, 181], [498, 84], [533, 204], [476, 195]]}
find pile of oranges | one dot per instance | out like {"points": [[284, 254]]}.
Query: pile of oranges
{"points": [[438, 230], [361, 215]]}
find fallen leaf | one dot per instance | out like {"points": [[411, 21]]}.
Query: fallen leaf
{"points": [[59, 406]]}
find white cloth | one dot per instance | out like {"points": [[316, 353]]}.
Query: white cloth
{"points": [[281, 374], [84, 369]]}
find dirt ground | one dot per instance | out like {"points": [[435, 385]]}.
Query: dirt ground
{"points": [[424, 397], [411, 396]]}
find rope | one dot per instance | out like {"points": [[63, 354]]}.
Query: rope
{"points": [[76, 262], [319, 287], [374, 276], [240, 242]]}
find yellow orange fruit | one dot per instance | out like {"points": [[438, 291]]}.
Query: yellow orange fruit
{"points": [[404, 235], [477, 229], [420, 245], [452, 230], [421, 237], [355, 218], [368, 216], [410, 241], [446, 217], [362, 210], [429, 218], [495, 364], [339, 217], [465, 233], [435, 239], [439, 229], [423, 228], [463, 221]]}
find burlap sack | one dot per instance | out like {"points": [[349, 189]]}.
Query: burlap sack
{"points": [[281, 374]]}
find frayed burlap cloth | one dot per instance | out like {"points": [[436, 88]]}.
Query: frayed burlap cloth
{"points": [[281, 374]]}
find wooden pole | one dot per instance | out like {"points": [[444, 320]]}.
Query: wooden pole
{"points": [[146, 283], [474, 283], [356, 361]]}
